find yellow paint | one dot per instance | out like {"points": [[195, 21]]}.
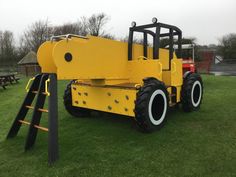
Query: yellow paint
{"points": [[178, 93], [44, 56], [103, 63], [166, 76], [140, 69], [91, 61], [46, 87], [114, 100], [176, 72], [28, 84]]}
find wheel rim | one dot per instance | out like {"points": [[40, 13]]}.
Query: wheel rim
{"points": [[196, 93], [157, 107]]}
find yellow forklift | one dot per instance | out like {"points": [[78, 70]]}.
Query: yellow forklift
{"points": [[141, 81]]}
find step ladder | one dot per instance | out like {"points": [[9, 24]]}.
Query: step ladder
{"points": [[43, 85]]}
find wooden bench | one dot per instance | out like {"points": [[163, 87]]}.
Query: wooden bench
{"points": [[9, 78], [17, 79], [3, 84]]}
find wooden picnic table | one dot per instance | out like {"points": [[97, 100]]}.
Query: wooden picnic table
{"points": [[6, 78], [3, 84]]}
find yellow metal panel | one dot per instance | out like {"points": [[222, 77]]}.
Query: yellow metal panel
{"points": [[176, 72], [116, 81], [137, 51], [166, 77], [178, 92], [105, 62], [101, 62], [44, 56], [93, 58], [139, 69], [163, 57], [96, 58], [114, 100]]}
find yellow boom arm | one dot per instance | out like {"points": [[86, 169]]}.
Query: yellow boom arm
{"points": [[100, 60]]}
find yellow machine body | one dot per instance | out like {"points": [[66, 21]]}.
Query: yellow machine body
{"points": [[107, 99], [105, 77], [140, 81]]}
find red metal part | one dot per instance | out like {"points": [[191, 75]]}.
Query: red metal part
{"points": [[188, 65]]}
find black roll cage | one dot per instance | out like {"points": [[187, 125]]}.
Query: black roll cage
{"points": [[173, 31]]}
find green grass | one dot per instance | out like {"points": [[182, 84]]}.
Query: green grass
{"points": [[201, 143]]}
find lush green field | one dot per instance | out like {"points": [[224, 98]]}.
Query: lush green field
{"points": [[200, 143]]}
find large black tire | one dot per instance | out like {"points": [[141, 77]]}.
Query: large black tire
{"points": [[151, 105], [192, 92], [74, 111]]}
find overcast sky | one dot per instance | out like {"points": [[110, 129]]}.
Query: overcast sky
{"points": [[207, 20]]}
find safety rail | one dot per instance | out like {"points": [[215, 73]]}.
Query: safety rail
{"points": [[67, 36]]}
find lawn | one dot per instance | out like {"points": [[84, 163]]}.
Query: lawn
{"points": [[200, 143]]}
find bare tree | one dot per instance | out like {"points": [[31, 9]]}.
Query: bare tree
{"points": [[136, 40], [94, 25], [23, 48], [1, 46], [109, 36], [40, 31], [68, 28], [36, 34], [227, 46], [7, 47], [166, 41]]}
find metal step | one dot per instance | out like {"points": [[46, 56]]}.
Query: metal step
{"points": [[35, 92], [36, 126], [39, 109]]}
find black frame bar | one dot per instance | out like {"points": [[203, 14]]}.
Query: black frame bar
{"points": [[173, 31], [53, 151], [145, 44]]}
